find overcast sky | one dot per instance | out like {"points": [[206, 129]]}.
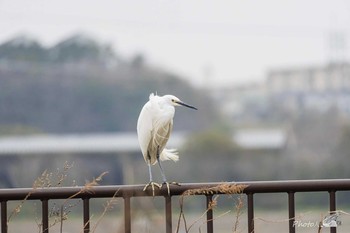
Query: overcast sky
{"points": [[209, 42]]}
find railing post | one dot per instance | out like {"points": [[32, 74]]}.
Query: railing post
{"points": [[127, 215], [86, 215], [332, 208], [45, 215], [250, 213], [3, 216], [291, 212], [168, 215], [210, 222]]}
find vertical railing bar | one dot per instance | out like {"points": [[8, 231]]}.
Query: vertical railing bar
{"points": [[45, 215], [332, 208], [291, 212], [3, 216], [250, 213], [127, 215], [210, 222], [168, 215], [86, 215]]}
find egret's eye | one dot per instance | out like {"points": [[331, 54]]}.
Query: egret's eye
{"points": [[172, 100]]}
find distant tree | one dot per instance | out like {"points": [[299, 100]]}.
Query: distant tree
{"points": [[64, 96], [138, 61], [210, 154], [80, 47], [209, 142], [23, 48], [338, 164], [18, 129]]}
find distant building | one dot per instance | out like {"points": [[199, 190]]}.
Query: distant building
{"points": [[28, 156], [244, 103], [24, 158], [261, 139], [330, 78], [311, 88]]}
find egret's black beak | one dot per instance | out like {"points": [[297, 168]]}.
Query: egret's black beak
{"points": [[186, 105]]}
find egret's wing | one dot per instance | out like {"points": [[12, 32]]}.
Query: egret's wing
{"points": [[144, 128], [169, 154], [162, 130]]}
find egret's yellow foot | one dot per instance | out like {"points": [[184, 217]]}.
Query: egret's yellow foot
{"points": [[152, 184], [168, 185]]}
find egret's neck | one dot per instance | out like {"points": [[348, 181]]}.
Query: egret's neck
{"points": [[167, 108]]}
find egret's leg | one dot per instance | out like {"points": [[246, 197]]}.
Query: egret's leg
{"points": [[151, 183], [165, 182], [150, 172], [163, 175], [161, 170]]}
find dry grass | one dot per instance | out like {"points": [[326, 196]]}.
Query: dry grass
{"points": [[57, 215], [45, 180], [224, 188], [239, 205]]}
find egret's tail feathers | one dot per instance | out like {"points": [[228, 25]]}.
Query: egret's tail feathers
{"points": [[169, 154]]}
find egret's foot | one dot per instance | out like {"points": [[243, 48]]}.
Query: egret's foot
{"points": [[168, 185], [152, 184]]}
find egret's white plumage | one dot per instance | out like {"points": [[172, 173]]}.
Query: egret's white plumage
{"points": [[154, 127]]}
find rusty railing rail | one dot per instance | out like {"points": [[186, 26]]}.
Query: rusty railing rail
{"points": [[126, 192]]}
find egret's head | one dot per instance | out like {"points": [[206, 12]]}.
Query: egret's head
{"points": [[174, 101]]}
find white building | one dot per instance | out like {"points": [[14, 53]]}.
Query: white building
{"points": [[321, 79], [311, 88]]}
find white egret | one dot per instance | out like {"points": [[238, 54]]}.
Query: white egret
{"points": [[154, 127]]}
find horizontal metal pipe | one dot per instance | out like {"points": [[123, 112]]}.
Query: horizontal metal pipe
{"points": [[137, 190]]}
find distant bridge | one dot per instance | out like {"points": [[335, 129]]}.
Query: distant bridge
{"points": [[23, 158], [77, 143], [125, 142]]}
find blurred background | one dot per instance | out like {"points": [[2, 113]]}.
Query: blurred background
{"points": [[271, 80]]}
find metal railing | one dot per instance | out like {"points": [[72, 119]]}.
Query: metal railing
{"points": [[126, 192]]}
